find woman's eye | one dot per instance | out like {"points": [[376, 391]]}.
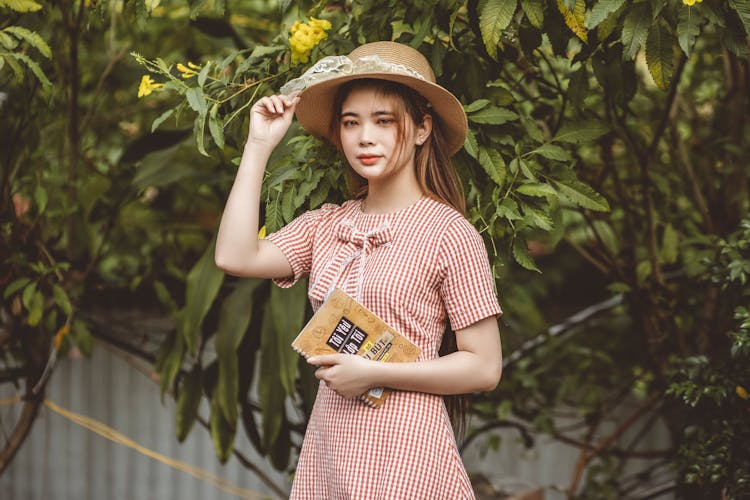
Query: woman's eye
{"points": [[348, 123], [386, 121]]}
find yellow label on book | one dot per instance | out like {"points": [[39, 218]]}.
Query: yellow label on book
{"points": [[344, 325]]}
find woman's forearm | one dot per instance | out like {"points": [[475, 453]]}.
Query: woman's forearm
{"points": [[456, 373]]}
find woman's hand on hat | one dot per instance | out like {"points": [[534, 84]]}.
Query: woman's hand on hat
{"points": [[347, 374], [270, 118]]}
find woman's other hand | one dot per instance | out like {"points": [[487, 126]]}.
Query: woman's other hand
{"points": [[347, 374]]}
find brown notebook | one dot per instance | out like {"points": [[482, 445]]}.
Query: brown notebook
{"points": [[344, 325]]}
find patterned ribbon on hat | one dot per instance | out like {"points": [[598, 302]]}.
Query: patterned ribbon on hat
{"points": [[365, 241], [333, 66]]}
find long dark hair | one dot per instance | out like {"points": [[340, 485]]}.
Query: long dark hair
{"points": [[436, 177]]}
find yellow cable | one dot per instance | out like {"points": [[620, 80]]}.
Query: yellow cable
{"points": [[113, 435], [10, 401]]}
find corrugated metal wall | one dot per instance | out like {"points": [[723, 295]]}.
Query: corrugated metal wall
{"points": [[62, 461]]}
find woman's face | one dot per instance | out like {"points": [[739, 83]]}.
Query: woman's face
{"points": [[370, 135]]}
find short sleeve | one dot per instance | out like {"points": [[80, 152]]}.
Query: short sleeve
{"points": [[296, 240], [467, 287]]}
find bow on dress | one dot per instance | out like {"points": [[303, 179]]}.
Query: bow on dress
{"points": [[363, 241]]}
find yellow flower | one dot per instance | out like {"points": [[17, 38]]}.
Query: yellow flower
{"points": [[306, 36], [147, 86], [324, 24], [741, 392], [690, 3], [262, 233], [187, 71]]}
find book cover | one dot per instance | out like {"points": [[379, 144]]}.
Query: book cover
{"points": [[344, 325]]}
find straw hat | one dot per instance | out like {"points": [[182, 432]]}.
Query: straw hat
{"points": [[382, 60]]}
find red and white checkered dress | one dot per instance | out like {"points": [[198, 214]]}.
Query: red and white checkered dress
{"points": [[416, 268]]}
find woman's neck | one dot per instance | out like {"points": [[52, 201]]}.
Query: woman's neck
{"points": [[393, 193]]}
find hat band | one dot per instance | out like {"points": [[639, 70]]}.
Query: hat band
{"points": [[336, 66]]}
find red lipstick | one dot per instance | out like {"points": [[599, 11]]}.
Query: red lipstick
{"points": [[368, 159]]}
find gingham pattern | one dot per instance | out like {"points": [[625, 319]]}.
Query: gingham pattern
{"points": [[430, 266]]}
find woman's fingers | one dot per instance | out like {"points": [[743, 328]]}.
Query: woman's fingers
{"points": [[277, 104]]}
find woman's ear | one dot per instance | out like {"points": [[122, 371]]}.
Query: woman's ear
{"points": [[424, 130]]}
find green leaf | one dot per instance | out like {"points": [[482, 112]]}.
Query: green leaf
{"points": [[82, 337], [21, 5], [199, 131], [493, 164], [287, 309], [233, 322], [15, 66], [552, 152], [197, 100], [222, 432], [494, 17], [578, 86], [281, 450], [635, 28], [40, 198], [534, 10], [670, 245], [203, 283], [62, 300], [642, 271], [15, 286], [32, 38], [36, 309], [536, 189], [34, 67], [493, 115], [188, 401], [471, 145], [508, 210], [7, 41], [28, 293], [601, 11], [169, 360], [476, 105], [536, 218], [522, 256], [688, 29], [158, 121], [526, 169], [263, 51], [203, 75], [216, 127], [578, 133], [659, 55], [271, 394], [274, 221], [533, 130], [582, 195], [742, 7], [287, 204], [607, 26]]}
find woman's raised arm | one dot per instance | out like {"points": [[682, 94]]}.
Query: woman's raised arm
{"points": [[238, 249]]}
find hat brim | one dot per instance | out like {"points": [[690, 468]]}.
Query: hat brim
{"points": [[315, 108]]}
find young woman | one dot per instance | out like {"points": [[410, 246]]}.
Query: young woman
{"points": [[401, 247]]}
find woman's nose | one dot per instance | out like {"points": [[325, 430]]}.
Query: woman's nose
{"points": [[365, 135]]}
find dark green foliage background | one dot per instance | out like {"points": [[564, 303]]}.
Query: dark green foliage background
{"points": [[606, 168]]}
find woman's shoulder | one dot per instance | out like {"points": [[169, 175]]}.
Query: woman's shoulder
{"points": [[450, 228], [445, 217]]}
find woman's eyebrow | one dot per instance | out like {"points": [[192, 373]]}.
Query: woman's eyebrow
{"points": [[374, 113]]}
